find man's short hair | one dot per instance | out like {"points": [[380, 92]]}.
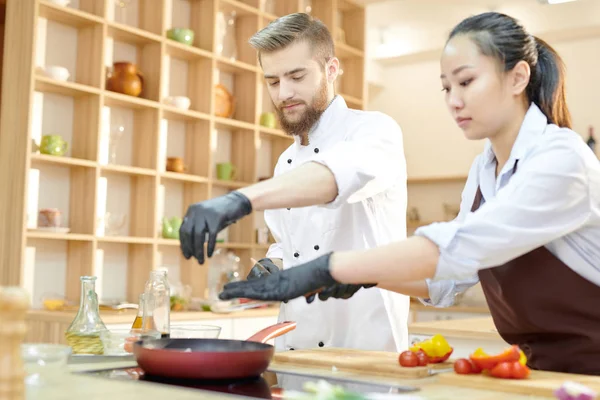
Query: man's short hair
{"points": [[293, 28]]}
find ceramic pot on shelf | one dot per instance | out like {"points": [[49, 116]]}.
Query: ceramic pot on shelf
{"points": [[125, 78]]}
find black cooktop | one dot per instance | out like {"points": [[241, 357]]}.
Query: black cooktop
{"points": [[272, 384]]}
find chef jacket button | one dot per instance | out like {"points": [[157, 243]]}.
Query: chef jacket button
{"points": [[321, 344], [316, 150], [289, 160], [296, 254], [289, 209], [316, 247]]}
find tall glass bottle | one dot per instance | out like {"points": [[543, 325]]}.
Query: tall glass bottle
{"points": [[157, 299], [83, 335]]}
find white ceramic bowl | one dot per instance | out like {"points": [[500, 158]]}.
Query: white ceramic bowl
{"points": [[57, 72], [179, 102]]}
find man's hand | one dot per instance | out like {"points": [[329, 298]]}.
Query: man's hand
{"points": [[210, 217], [338, 291], [258, 272], [284, 285]]}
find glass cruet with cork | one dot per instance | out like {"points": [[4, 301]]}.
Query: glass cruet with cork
{"points": [[83, 335]]}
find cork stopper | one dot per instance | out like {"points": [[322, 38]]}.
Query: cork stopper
{"points": [[14, 303]]}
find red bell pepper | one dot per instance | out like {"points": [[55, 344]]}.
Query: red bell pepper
{"points": [[485, 361]]}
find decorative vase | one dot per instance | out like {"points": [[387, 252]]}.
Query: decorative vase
{"points": [[125, 78]]}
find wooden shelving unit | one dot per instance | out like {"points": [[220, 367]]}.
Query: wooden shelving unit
{"points": [[101, 39]]}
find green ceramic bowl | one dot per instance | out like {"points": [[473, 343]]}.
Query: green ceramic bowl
{"points": [[181, 35]]}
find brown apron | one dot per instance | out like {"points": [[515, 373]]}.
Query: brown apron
{"points": [[550, 311]]}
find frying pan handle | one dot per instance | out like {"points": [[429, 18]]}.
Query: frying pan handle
{"points": [[272, 331]]}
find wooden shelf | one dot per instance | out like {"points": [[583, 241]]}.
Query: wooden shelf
{"points": [[233, 245], [66, 15], [177, 176], [61, 160], [438, 179], [228, 123], [125, 239], [352, 100], [170, 112], [186, 52], [34, 234], [230, 184], [237, 7], [275, 132], [64, 88], [345, 51], [85, 113], [125, 169], [223, 245], [115, 99], [235, 67], [129, 34]]}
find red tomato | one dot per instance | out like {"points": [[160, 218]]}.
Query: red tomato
{"points": [[475, 368], [503, 370], [408, 359], [519, 371], [423, 358], [462, 366]]}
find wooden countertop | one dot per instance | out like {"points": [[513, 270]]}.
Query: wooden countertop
{"points": [[416, 306], [127, 316], [467, 328], [77, 386]]}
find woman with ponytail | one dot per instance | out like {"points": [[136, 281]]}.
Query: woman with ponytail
{"points": [[529, 221]]}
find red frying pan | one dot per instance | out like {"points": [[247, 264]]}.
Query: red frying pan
{"points": [[209, 358]]}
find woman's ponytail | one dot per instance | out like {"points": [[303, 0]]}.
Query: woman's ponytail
{"points": [[504, 38], [547, 86]]}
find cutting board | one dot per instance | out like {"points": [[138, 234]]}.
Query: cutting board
{"points": [[539, 383], [354, 361]]}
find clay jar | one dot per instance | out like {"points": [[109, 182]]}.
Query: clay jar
{"points": [[125, 78]]}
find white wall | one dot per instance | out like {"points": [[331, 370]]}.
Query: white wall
{"points": [[411, 89]]}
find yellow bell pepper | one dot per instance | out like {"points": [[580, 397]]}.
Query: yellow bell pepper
{"points": [[522, 358], [436, 346]]}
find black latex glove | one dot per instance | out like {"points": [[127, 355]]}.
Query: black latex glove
{"points": [[302, 280], [258, 272], [285, 285], [338, 291], [210, 217]]}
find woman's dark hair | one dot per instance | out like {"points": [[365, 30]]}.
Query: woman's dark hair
{"points": [[503, 37]]}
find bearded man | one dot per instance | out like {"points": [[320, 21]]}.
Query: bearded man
{"points": [[340, 186]]}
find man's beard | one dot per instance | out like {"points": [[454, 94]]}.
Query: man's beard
{"points": [[310, 116]]}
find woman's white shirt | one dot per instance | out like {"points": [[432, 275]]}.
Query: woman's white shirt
{"points": [[552, 200]]}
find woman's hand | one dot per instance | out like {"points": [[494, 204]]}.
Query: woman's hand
{"points": [[302, 280], [286, 285]]}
